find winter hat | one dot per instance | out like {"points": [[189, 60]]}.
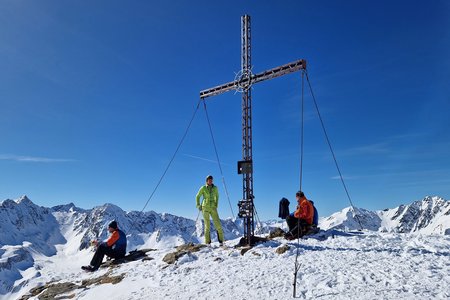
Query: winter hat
{"points": [[209, 177], [300, 194], [113, 225]]}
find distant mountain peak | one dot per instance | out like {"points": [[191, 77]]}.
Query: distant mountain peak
{"points": [[108, 207], [67, 208], [24, 199]]}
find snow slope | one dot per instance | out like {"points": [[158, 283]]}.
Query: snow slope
{"points": [[363, 266]]}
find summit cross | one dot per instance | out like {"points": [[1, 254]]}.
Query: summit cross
{"points": [[243, 82]]}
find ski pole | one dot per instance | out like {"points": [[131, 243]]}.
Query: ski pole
{"points": [[195, 224]]}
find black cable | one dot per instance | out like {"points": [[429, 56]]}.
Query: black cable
{"points": [[297, 265], [302, 132], [218, 160], [171, 160], [331, 149], [258, 223]]}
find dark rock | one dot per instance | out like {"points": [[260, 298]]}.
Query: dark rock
{"points": [[254, 240], [190, 247], [171, 258], [181, 250], [106, 278], [282, 249], [132, 256], [277, 232], [53, 290], [245, 249]]}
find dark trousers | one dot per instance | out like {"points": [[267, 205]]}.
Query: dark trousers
{"points": [[296, 226], [100, 253]]}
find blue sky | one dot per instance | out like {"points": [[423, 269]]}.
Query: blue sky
{"points": [[96, 95]]}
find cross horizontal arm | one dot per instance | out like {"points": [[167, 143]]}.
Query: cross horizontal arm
{"points": [[220, 89], [265, 75], [279, 71]]}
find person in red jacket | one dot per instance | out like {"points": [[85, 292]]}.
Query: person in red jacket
{"points": [[301, 218]]}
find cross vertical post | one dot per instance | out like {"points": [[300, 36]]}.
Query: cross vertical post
{"points": [[243, 82], [247, 183]]}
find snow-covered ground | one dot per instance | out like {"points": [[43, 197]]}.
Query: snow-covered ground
{"points": [[402, 253], [365, 265]]}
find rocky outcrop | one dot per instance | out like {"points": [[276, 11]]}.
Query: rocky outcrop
{"points": [[171, 258], [66, 290]]}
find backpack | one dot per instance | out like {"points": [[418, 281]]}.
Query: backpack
{"points": [[283, 211], [316, 215]]}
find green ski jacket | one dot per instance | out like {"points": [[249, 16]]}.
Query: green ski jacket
{"points": [[210, 196]]}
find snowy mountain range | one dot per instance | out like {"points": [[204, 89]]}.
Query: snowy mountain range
{"points": [[428, 216], [29, 230]]}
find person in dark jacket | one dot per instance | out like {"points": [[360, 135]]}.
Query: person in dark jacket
{"points": [[114, 247]]}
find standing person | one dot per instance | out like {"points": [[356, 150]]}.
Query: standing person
{"points": [[301, 218], [208, 207], [114, 247]]}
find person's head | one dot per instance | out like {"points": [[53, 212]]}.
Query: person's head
{"points": [[112, 226], [209, 179], [299, 195]]}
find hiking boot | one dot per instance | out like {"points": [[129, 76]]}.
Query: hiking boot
{"points": [[289, 236], [221, 244], [89, 268]]}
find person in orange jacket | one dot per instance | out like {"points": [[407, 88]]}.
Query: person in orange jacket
{"points": [[301, 218]]}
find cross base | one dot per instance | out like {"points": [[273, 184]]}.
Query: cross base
{"points": [[253, 241]]}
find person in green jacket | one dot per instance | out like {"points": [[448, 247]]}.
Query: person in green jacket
{"points": [[208, 207]]}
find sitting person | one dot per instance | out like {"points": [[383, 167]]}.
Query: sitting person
{"points": [[114, 247], [301, 219]]}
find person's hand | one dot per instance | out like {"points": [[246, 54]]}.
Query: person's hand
{"points": [[199, 207], [94, 243]]}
